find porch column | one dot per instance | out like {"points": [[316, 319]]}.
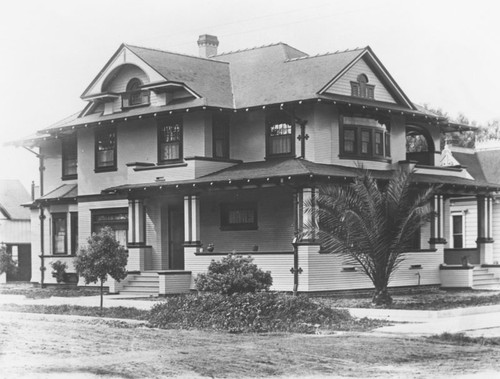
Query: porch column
{"points": [[307, 213], [136, 229], [192, 220], [437, 222], [484, 229]]}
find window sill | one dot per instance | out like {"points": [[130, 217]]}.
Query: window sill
{"points": [[69, 177], [105, 169], [365, 158]]}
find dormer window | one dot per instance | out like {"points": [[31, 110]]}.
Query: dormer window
{"points": [[361, 88], [134, 96]]}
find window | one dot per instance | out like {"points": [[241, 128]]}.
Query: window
{"points": [[457, 231], [364, 138], [280, 135], [105, 149], [220, 136], [69, 157], [59, 233], [74, 232], [115, 218], [238, 216], [134, 95], [170, 140], [361, 88]]}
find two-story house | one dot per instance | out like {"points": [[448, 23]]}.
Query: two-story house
{"points": [[190, 158]]}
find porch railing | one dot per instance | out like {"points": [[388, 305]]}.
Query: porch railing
{"points": [[457, 256]]}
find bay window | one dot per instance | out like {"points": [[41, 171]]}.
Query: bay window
{"points": [[115, 218], [364, 138]]}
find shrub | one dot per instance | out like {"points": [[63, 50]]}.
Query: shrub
{"points": [[59, 271], [249, 312], [234, 274]]}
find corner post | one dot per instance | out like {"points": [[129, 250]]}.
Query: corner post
{"points": [[484, 229]]}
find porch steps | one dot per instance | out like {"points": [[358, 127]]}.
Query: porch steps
{"points": [[482, 279], [145, 284]]}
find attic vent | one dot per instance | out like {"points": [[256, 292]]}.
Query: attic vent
{"points": [[361, 88]]}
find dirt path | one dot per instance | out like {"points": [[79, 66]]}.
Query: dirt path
{"points": [[42, 346]]}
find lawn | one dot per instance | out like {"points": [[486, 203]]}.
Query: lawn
{"points": [[38, 346], [32, 292], [419, 299]]}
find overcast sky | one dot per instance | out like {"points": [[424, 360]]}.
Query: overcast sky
{"points": [[444, 53]]}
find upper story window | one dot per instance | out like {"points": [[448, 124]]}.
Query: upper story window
{"points": [[170, 140], [105, 149], [69, 157], [361, 88], [134, 96], [280, 131], [220, 137], [364, 138]]}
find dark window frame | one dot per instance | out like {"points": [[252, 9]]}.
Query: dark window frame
{"points": [[458, 236], [54, 217], [226, 208], [278, 118], [220, 124], [359, 129], [97, 133], [134, 96], [74, 232], [170, 122], [361, 88], [68, 144]]}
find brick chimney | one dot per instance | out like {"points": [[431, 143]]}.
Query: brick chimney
{"points": [[207, 45]]}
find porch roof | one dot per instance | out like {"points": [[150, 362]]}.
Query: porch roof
{"points": [[293, 169], [64, 193]]}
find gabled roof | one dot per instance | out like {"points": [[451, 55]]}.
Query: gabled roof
{"points": [[482, 164], [12, 195]]}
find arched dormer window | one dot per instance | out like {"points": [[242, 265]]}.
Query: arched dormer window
{"points": [[361, 88], [134, 96]]}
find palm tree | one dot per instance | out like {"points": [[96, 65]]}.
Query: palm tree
{"points": [[372, 224]]}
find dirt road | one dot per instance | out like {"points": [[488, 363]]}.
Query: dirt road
{"points": [[49, 346]]}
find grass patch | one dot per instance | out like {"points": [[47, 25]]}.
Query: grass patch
{"points": [[253, 312], [463, 339], [44, 293], [77, 310]]}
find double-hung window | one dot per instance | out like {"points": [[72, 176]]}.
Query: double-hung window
{"points": [[280, 135], [105, 149], [238, 216], [134, 96], [220, 136], [115, 218], [361, 88], [170, 140], [59, 234], [69, 157], [457, 232]]}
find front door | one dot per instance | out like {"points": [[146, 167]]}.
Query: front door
{"points": [[176, 239]]}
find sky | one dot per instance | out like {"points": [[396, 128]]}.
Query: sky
{"points": [[441, 52]]}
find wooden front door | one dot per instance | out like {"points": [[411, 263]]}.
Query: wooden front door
{"points": [[176, 239]]}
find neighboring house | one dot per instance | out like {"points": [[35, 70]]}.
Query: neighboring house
{"points": [[191, 158], [15, 230]]}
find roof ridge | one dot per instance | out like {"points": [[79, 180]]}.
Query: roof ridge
{"points": [[253, 48], [325, 54], [174, 53], [301, 161]]}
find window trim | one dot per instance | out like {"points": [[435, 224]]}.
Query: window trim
{"points": [[108, 130], [126, 96], [452, 231], [62, 216], [361, 88], [225, 208], [371, 156], [64, 156], [107, 211], [275, 118], [166, 122]]}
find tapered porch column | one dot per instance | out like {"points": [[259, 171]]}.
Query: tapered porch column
{"points": [[192, 220], [485, 229], [437, 222], [307, 213], [136, 228]]}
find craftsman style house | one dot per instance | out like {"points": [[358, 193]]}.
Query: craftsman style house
{"points": [[191, 158]]}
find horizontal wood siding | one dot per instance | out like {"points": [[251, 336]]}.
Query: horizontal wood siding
{"points": [[343, 85], [496, 233], [173, 284], [456, 278], [275, 215], [469, 211], [15, 231]]}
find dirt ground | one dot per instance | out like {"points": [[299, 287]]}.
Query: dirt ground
{"points": [[47, 346]]}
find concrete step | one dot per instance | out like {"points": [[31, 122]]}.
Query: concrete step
{"points": [[142, 284], [140, 289], [489, 287]]}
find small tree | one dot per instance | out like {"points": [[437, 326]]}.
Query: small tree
{"points": [[372, 225], [103, 256], [7, 264], [234, 274]]}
